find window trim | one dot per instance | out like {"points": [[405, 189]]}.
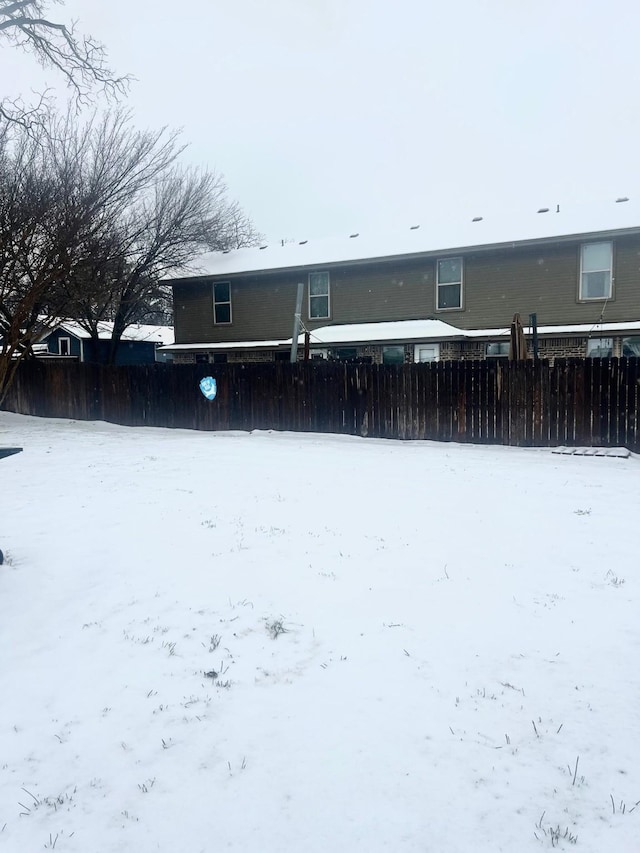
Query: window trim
{"points": [[68, 340], [581, 297], [217, 322], [326, 316], [459, 307], [426, 345]]}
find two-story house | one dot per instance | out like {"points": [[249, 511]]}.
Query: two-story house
{"points": [[438, 292]]}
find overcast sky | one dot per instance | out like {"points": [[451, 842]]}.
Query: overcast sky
{"points": [[333, 116]]}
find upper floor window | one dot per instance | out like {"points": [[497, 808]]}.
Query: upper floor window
{"points": [[221, 302], [449, 283], [595, 270], [318, 295]]}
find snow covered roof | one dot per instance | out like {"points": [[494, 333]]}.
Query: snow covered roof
{"points": [[399, 330], [438, 236], [139, 332], [591, 329]]}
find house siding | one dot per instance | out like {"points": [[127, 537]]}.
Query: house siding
{"points": [[53, 343], [539, 279], [545, 281]]}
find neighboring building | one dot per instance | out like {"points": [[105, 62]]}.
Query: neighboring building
{"points": [[435, 294], [140, 344]]}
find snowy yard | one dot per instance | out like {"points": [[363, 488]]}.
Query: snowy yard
{"points": [[278, 642]]}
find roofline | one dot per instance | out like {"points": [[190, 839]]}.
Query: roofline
{"points": [[597, 330], [239, 345], [407, 256]]}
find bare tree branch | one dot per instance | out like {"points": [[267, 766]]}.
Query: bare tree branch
{"points": [[80, 59]]}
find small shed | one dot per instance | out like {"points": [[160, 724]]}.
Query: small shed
{"points": [[139, 343]]}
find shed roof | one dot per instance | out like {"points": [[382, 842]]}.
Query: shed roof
{"points": [[138, 332]]}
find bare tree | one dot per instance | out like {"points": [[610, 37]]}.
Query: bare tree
{"points": [[63, 187], [166, 226], [80, 59], [92, 216], [34, 255]]}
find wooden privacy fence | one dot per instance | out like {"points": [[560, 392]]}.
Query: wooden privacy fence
{"points": [[574, 402]]}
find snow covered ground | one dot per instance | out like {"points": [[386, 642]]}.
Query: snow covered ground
{"points": [[278, 642]]}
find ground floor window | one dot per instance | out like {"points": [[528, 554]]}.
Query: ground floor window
{"points": [[349, 355], [202, 358], [393, 355], [498, 349], [220, 358], [600, 348], [427, 352], [631, 347]]}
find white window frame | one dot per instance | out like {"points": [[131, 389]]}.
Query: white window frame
{"points": [[584, 272], [434, 347], [449, 283], [319, 296], [68, 340], [217, 322]]}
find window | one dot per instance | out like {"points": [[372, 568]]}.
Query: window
{"points": [[345, 354], [449, 283], [600, 348], [498, 349], [631, 347], [595, 270], [318, 295], [349, 355], [426, 352], [221, 302], [219, 358], [393, 355], [64, 346], [202, 358]]}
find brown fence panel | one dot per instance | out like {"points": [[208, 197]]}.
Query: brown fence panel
{"points": [[583, 402]]}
